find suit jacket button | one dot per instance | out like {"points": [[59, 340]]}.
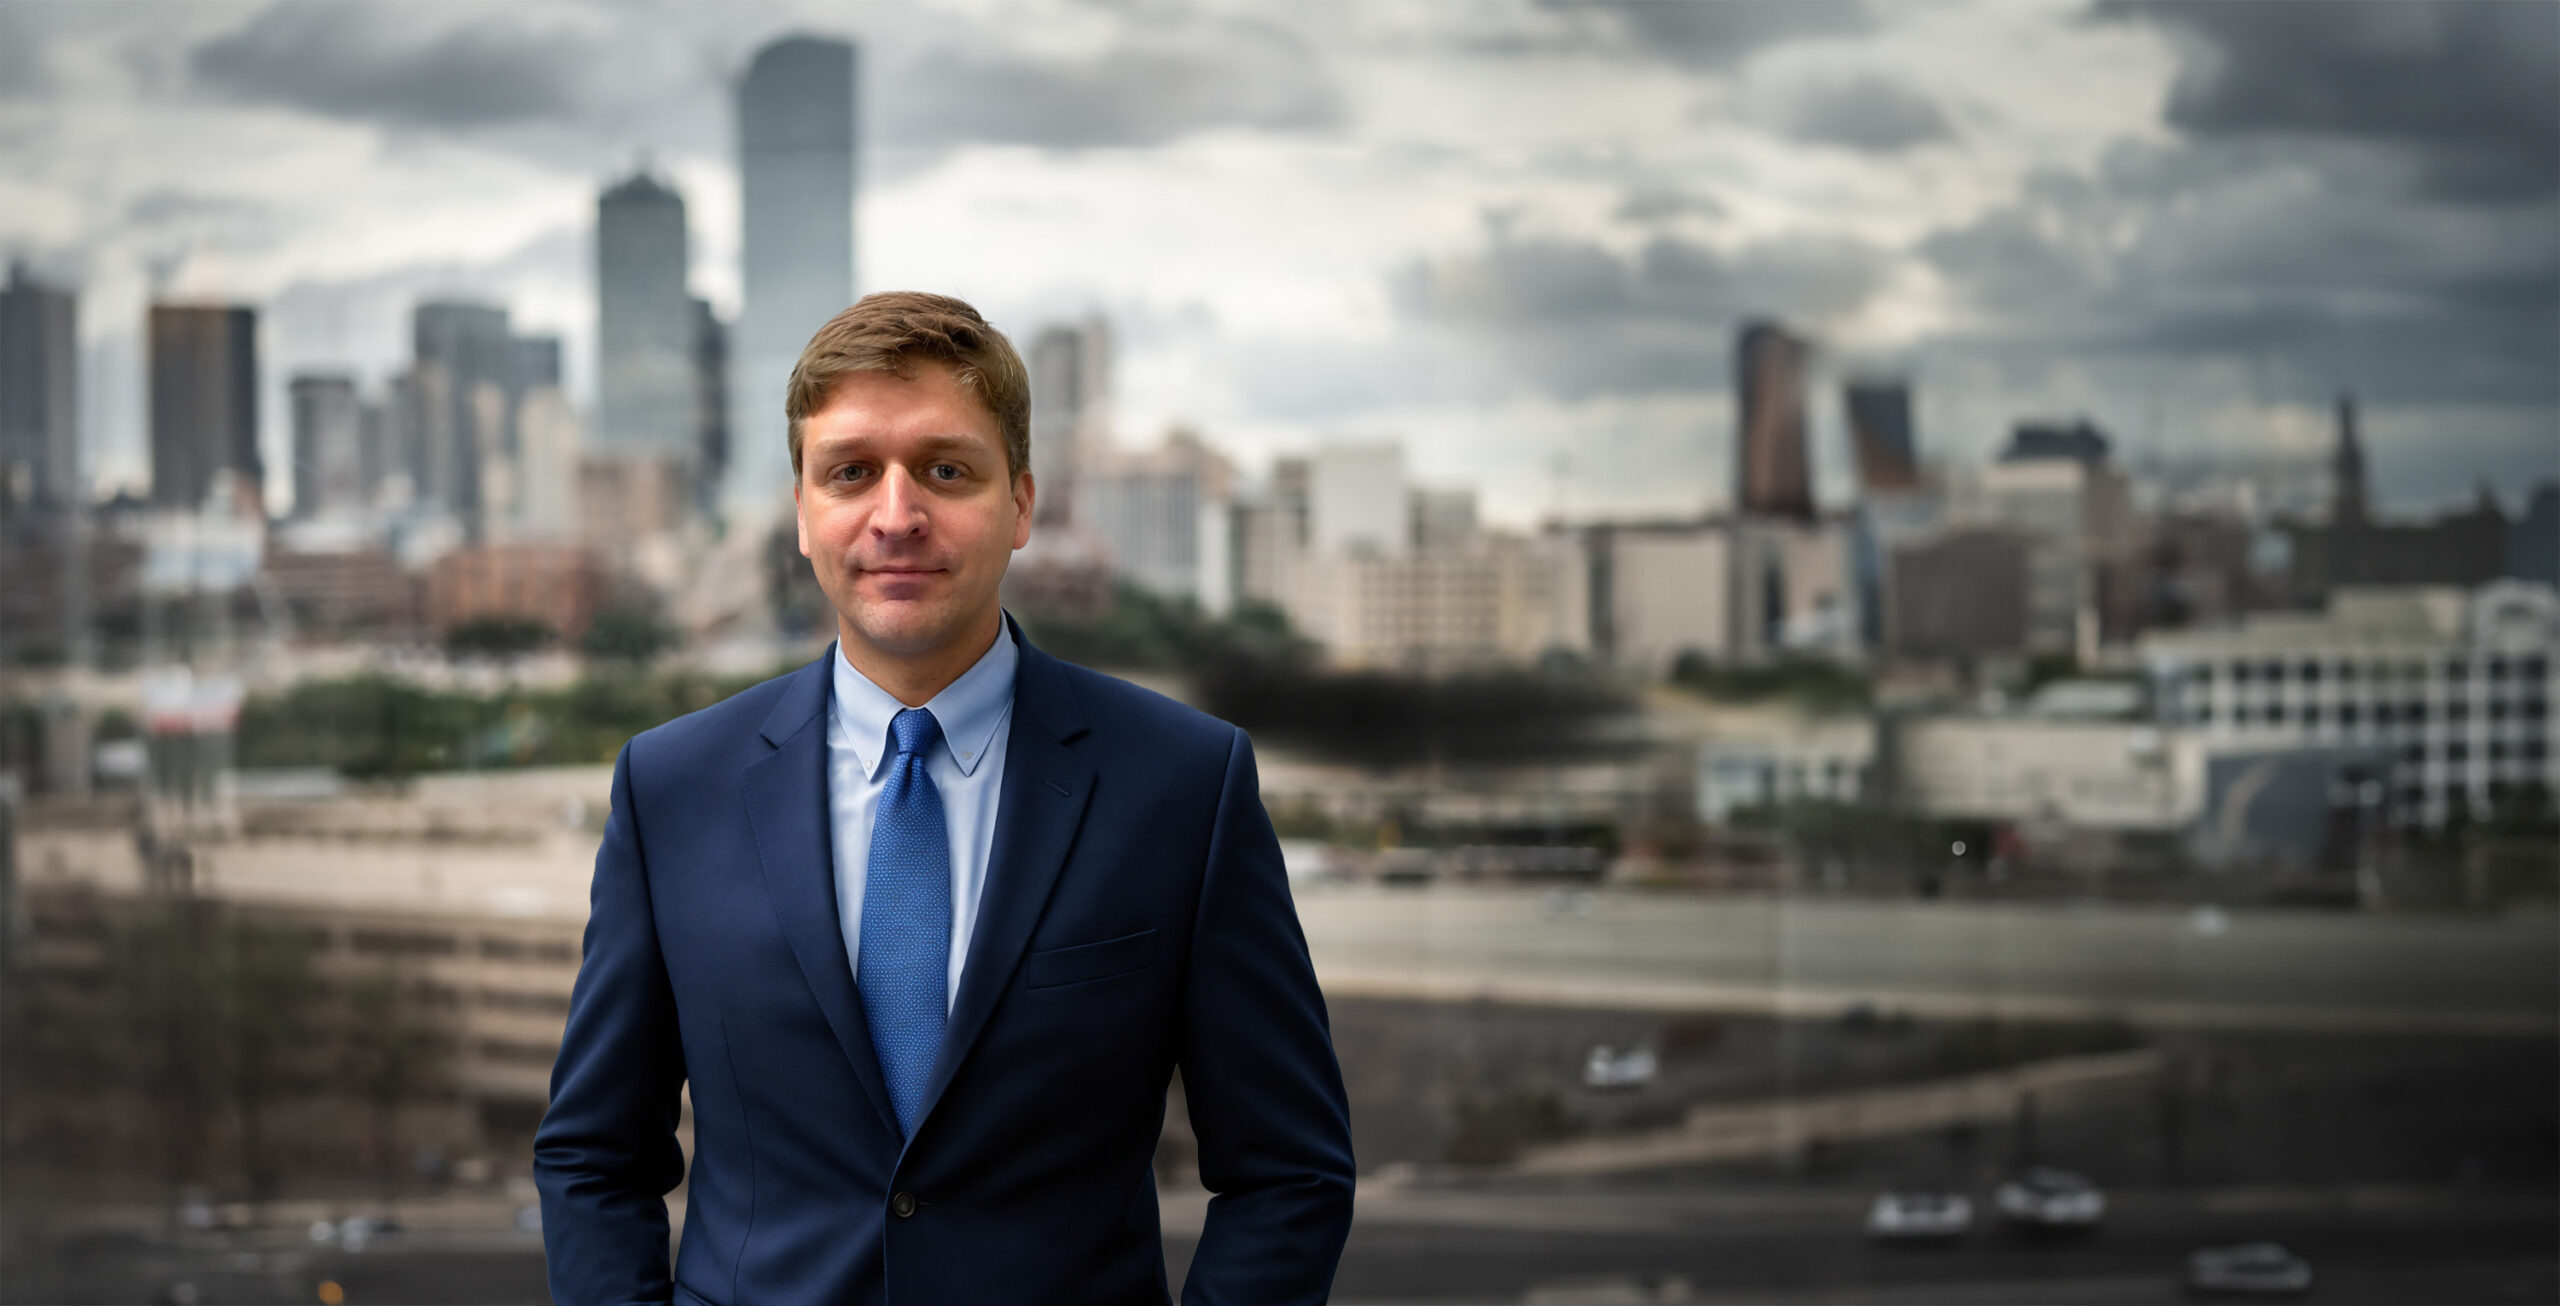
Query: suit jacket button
{"points": [[902, 1205]]}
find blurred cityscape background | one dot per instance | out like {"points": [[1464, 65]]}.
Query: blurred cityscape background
{"points": [[1902, 653]]}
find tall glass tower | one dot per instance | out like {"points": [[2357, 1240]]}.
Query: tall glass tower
{"points": [[644, 322], [796, 154]]}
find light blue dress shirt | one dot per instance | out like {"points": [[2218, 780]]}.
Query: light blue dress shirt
{"points": [[967, 769]]}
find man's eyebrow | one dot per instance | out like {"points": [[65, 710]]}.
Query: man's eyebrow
{"points": [[837, 446]]}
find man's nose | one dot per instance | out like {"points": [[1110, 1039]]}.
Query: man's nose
{"points": [[899, 509]]}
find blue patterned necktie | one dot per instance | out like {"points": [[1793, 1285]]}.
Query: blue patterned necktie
{"points": [[905, 968]]}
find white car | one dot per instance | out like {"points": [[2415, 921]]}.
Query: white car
{"points": [[1919, 1216], [2248, 1270], [2046, 1198], [1606, 1067]]}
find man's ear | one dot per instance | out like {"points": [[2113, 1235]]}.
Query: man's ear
{"points": [[800, 515], [1024, 495]]}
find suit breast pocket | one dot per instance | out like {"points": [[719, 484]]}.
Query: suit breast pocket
{"points": [[1083, 963]]}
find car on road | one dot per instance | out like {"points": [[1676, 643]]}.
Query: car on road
{"points": [[1919, 1216], [2248, 1270], [1607, 1067], [2045, 1199]]}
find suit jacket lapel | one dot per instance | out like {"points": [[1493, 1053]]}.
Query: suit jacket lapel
{"points": [[786, 800], [1042, 805]]}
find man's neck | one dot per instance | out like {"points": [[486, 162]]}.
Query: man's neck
{"points": [[914, 681]]}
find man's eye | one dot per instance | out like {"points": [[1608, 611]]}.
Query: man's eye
{"points": [[945, 472], [849, 473]]}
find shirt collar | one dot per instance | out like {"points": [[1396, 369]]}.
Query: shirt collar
{"points": [[970, 710]]}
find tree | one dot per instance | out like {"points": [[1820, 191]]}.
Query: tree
{"points": [[630, 631], [262, 985], [498, 637], [392, 1049]]}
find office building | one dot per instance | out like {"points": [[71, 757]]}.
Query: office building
{"points": [[646, 324], [1162, 518], [204, 405], [549, 443], [1660, 594], [2056, 487], [1960, 595], [1773, 469], [1442, 520], [459, 403], [1880, 436], [2456, 683], [1793, 588], [39, 393], [796, 145], [558, 585], [328, 445], [1269, 534], [710, 405], [1070, 413], [2347, 503], [1508, 600], [1356, 501]]}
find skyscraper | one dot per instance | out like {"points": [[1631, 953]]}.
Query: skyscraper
{"points": [[1880, 433], [204, 402], [796, 144], [39, 386], [2347, 491], [1773, 475], [710, 403], [1070, 412], [460, 387], [644, 323], [328, 444]]}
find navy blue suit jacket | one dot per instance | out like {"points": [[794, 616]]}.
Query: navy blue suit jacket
{"points": [[1135, 919]]}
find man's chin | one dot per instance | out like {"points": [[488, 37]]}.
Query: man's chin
{"points": [[905, 628]]}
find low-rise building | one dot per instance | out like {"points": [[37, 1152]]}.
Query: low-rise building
{"points": [[2457, 685]]}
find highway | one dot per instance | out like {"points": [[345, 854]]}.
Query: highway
{"points": [[2163, 967]]}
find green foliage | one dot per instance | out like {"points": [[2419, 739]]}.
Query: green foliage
{"points": [[498, 637], [1809, 683], [630, 632], [375, 727]]}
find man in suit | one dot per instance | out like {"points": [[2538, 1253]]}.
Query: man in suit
{"points": [[927, 926]]}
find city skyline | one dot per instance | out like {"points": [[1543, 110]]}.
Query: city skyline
{"points": [[1291, 250]]}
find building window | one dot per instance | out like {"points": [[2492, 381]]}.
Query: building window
{"points": [[2497, 750], [2414, 713], [2240, 715], [2531, 709], [2346, 671], [2497, 668], [2497, 709], [2533, 667], [2275, 712], [2457, 751], [2457, 671], [2274, 672], [2415, 752], [2240, 673], [2311, 715], [2348, 715], [2457, 713], [2531, 750], [2310, 673]]}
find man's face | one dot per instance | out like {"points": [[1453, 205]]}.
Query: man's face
{"points": [[907, 512]]}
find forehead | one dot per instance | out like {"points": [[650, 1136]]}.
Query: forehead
{"points": [[929, 405]]}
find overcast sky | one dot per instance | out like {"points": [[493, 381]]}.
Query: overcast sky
{"points": [[1516, 236]]}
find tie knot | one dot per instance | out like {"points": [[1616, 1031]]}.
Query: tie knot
{"points": [[915, 730]]}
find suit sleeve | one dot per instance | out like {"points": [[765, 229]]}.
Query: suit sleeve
{"points": [[605, 1156], [1259, 1074]]}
